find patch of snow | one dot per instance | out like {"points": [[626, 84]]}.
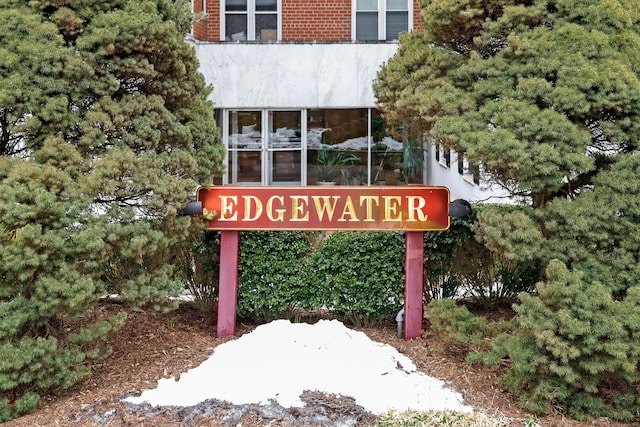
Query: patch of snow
{"points": [[280, 360]]}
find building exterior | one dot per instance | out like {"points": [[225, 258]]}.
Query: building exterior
{"points": [[292, 88]]}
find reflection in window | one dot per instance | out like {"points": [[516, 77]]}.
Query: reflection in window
{"points": [[338, 145], [386, 154], [285, 147], [245, 130], [245, 145]]}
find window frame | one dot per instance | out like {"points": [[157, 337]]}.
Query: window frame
{"points": [[382, 19], [251, 20]]}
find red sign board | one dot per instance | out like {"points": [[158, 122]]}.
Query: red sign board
{"points": [[410, 208]]}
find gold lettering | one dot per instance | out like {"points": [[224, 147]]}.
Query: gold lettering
{"points": [[279, 212], [324, 206], [247, 208], [368, 202], [350, 210], [299, 208], [228, 211], [413, 209], [391, 204]]}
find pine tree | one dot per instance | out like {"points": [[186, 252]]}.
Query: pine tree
{"points": [[545, 96], [105, 132]]}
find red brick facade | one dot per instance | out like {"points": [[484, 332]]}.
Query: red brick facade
{"points": [[207, 26], [302, 20], [417, 23]]}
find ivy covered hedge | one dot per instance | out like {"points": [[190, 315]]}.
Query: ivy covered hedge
{"points": [[270, 280], [359, 275]]}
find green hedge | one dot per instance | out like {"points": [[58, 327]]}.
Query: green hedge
{"points": [[271, 268], [357, 275]]}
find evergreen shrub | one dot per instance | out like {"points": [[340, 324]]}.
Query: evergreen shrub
{"points": [[454, 326], [575, 347], [358, 275]]}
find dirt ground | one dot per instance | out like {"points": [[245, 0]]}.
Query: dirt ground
{"points": [[152, 346]]}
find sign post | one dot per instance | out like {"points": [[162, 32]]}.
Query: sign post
{"points": [[228, 282], [413, 209]]}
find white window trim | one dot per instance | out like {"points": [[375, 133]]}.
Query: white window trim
{"points": [[251, 23], [382, 18]]}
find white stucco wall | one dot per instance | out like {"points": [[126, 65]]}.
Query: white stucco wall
{"points": [[292, 75]]}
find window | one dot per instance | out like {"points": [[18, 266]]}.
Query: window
{"points": [[468, 170], [250, 19], [443, 155], [382, 19], [311, 147]]}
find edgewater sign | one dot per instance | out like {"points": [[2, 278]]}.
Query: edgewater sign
{"points": [[409, 208]]}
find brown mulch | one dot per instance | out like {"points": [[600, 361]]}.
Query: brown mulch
{"points": [[152, 346]]}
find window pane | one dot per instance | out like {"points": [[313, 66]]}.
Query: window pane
{"points": [[266, 5], [397, 22], [235, 27], [286, 166], [266, 27], [245, 130], [246, 165], [337, 142], [367, 5], [412, 162], [367, 26], [386, 154], [397, 5], [285, 129], [236, 5], [245, 133]]}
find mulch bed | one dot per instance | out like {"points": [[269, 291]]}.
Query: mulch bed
{"points": [[154, 345]]}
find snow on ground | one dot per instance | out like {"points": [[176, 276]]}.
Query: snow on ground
{"points": [[280, 360]]}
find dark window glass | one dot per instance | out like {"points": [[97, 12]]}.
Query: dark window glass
{"points": [[266, 5], [236, 27], [397, 22], [236, 5], [367, 26]]}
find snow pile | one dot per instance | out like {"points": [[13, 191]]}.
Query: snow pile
{"points": [[280, 360]]}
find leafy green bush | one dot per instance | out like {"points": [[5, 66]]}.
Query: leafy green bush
{"points": [[359, 275], [575, 347], [270, 280]]}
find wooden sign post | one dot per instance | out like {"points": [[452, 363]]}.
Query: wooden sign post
{"points": [[413, 209]]}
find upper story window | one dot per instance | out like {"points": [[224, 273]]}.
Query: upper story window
{"points": [[382, 19], [250, 19]]}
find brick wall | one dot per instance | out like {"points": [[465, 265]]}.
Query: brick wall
{"points": [[316, 20], [417, 23], [207, 29], [302, 20]]}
